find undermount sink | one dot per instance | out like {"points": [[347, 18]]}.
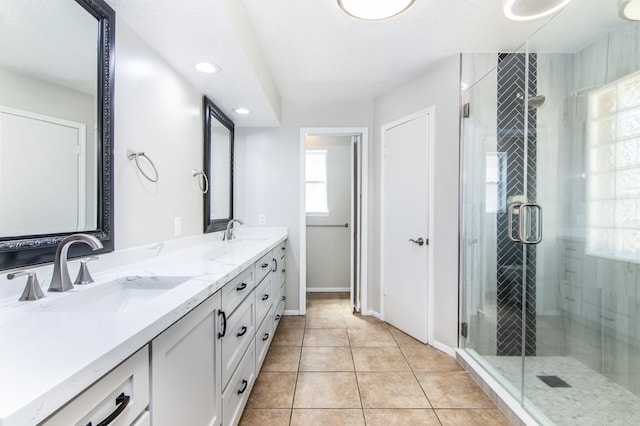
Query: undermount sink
{"points": [[121, 294]]}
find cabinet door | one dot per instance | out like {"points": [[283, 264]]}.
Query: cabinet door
{"points": [[185, 370]]}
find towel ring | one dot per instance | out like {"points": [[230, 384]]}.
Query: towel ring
{"points": [[203, 182], [134, 155]]}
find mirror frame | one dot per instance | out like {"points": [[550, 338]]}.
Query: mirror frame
{"points": [[212, 112], [18, 251]]}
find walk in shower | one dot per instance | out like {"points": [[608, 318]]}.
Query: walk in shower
{"points": [[550, 217]]}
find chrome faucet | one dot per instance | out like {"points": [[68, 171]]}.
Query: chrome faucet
{"points": [[61, 281], [228, 234]]}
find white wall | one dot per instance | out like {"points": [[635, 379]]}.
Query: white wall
{"points": [[439, 87], [328, 248], [267, 172], [158, 112]]}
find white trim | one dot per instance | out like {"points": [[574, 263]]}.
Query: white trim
{"points": [[334, 131], [430, 115], [290, 312], [328, 289], [375, 314], [443, 348]]}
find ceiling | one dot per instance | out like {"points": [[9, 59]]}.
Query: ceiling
{"points": [[270, 50]]}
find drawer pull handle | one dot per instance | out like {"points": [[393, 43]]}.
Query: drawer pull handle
{"points": [[265, 337], [241, 287], [570, 299], [224, 324], [244, 387], [284, 297], [265, 297], [277, 317], [122, 401], [264, 265], [242, 331], [275, 265], [284, 270]]}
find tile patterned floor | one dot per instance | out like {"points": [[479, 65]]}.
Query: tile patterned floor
{"points": [[330, 367]]}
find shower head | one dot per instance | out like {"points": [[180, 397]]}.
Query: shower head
{"points": [[534, 102]]}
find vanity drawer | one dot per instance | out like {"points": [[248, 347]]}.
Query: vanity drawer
{"points": [[263, 267], [263, 339], [236, 290], [280, 251], [126, 386], [277, 314], [241, 327], [264, 299], [234, 398]]}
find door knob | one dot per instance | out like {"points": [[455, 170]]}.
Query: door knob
{"points": [[419, 241]]}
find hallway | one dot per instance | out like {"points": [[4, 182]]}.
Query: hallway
{"points": [[333, 368]]}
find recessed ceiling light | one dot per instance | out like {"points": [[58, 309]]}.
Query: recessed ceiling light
{"points": [[207, 67], [243, 111], [632, 10], [373, 10], [528, 10]]}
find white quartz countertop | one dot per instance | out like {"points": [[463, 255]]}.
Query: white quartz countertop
{"points": [[50, 350]]}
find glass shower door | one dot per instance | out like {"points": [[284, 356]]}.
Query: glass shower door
{"points": [[496, 266]]}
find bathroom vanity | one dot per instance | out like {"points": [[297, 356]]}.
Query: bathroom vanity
{"points": [[172, 333]]}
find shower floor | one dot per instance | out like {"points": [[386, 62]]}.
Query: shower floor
{"points": [[592, 398], [575, 353]]}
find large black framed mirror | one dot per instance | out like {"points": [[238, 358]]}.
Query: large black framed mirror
{"points": [[218, 167], [56, 127]]}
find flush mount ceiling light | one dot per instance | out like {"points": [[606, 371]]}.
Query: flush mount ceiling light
{"points": [[632, 10], [528, 10], [242, 111], [207, 67], [373, 10]]}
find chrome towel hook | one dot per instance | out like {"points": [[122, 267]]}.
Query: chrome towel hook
{"points": [[134, 155], [203, 181]]}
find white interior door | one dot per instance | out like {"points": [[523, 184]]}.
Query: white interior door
{"points": [[405, 217], [40, 155]]}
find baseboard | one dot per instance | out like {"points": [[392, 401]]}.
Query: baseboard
{"points": [[374, 314], [444, 348], [291, 312], [328, 289]]}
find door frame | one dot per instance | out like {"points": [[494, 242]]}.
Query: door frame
{"points": [[429, 113], [364, 238]]}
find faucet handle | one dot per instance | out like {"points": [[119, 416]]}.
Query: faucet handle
{"points": [[84, 277], [32, 290]]}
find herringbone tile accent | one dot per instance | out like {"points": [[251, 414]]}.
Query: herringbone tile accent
{"points": [[512, 256]]}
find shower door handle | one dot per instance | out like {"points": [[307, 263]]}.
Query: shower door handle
{"points": [[511, 212], [527, 233]]}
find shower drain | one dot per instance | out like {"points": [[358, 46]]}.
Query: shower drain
{"points": [[554, 381]]}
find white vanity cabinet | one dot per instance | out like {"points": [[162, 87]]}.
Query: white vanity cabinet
{"points": [[186, 386], [202, 368], [121, 396]]}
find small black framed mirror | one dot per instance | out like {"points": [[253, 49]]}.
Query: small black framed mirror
{"points": [[218, 166], [56, 109]]}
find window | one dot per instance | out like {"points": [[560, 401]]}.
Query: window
{"points": [[316, 182], [495, 182], [613, 164]]}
